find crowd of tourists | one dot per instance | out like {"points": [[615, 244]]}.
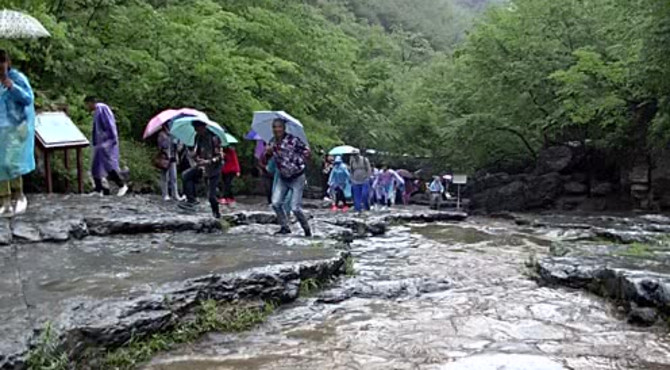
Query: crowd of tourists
{"points": [[375, 188], [204, 156]]}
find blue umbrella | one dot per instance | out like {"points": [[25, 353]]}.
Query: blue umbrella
{"points": [[262, 125], [183, 130]]}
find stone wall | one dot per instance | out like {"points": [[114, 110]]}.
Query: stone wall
{"points": [[572, 177]]}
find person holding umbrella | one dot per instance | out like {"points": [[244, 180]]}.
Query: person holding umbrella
{"points": [[167, 164], [208, 160], [290, 154], [17, 138]]}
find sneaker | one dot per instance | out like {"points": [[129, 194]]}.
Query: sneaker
{"points": [[231, 201], [166, 199], [122, 191], [345, 209], [333, 208], [181, 198], [96, 194], [283, 231], [308, 232], [21, 205], [223, 201]]}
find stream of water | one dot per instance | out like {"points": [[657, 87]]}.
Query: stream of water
{"points": [[440, 296]]}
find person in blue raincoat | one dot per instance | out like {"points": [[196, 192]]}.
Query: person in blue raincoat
{"points": [[105, 147], [340, 184], [17, 136], [272, 169]]}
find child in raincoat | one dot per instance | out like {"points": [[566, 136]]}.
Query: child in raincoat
{"points": [[17, 136], [339, 184]]}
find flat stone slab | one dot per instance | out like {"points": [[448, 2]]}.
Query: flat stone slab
{"points": [[58, 218], [99, 289], [638, 284]]}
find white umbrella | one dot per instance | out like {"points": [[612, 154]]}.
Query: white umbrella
{"points": [[262, 125], [17, 25], [343, 150]]}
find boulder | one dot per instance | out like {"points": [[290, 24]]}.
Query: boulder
{"points": [[602, 189], [511, 197], [643, 316], [554, 159], [542, 191], [575, 188], [489, 181]]}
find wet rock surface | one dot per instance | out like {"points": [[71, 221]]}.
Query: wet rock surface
{"points": [[100, 269], [448, 296]]}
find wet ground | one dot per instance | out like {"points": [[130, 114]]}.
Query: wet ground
{"points": [[441, 296]]}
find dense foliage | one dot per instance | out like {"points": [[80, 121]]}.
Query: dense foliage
{"points": [[427, 77]]}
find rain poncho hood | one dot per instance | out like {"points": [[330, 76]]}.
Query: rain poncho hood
{"points": [[340, 178], [17, 128], [105, 142]]}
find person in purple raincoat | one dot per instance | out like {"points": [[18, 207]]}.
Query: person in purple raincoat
{"points": [[105, 148]]}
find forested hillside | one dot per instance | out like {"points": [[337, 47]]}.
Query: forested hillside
{"points": [[468, 82]]}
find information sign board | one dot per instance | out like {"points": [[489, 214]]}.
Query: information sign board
{"points": [[56, 130]]}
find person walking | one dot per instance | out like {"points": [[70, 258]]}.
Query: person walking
{"points": [[17, 136], [326, 168], [231, 170], [340, 185], [166, 162], [386, 184], [411, 187], [436, 189], [272, 169], [105, 148], [208, 160], [290, 155], [361, 171]]}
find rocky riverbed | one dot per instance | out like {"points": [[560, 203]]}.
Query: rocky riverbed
{"points": [[102, 270], [431, 290], [472, 295]]}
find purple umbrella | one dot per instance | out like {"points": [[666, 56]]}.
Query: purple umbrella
{"points": [[260, 144], [253, 135]]}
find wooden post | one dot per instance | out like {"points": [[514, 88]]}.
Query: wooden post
{"points": [[66, 162], [80, 179], [47, 170], [458, 201]]}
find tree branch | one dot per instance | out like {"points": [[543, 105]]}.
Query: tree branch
{"points": [[520, 136]]}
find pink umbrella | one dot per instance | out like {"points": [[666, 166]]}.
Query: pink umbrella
{"points": [[165, 116]]}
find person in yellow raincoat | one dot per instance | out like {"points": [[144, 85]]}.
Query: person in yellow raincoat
{"points": [[17, 136]]}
